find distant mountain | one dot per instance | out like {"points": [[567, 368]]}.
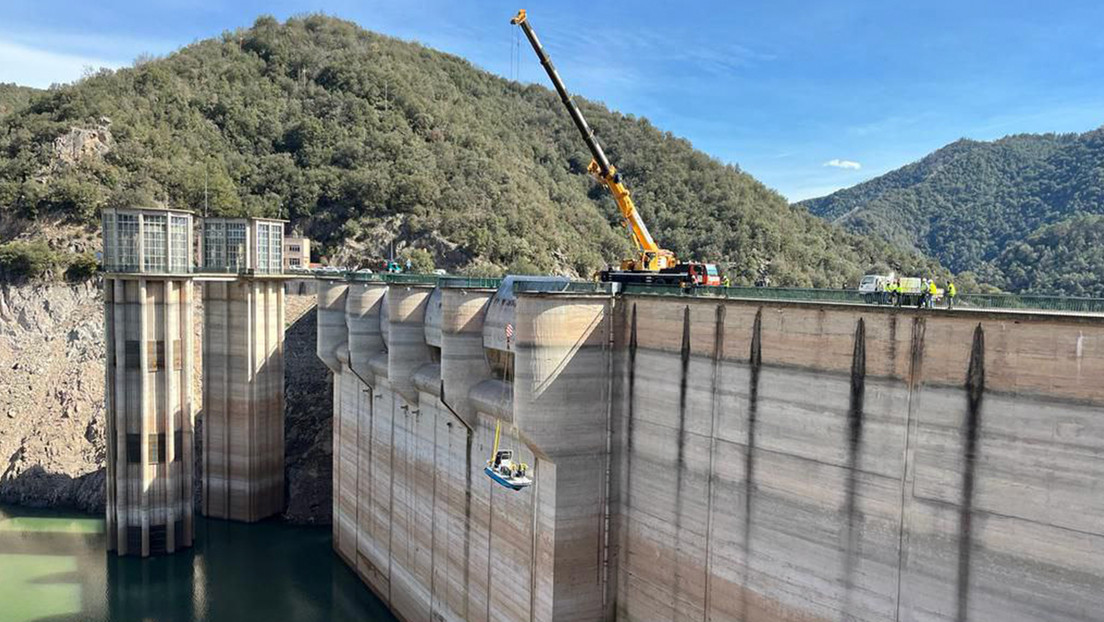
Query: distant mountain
{"points": [[14, 97], [361, 139], [978, 206], [1067, 257]]}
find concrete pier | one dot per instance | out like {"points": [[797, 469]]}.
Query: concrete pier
{"points": [[243, 399], [710, 459], [148, 380], [243, 368]]}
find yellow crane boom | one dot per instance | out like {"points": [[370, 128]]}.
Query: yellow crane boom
{"points": [[650, 256]]}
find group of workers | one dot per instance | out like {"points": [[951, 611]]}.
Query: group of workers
{"points": [[928, 292]]}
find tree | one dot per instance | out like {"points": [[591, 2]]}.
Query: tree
{"points": [[421, 261]]}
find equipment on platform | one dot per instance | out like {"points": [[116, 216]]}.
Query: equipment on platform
{"points": [[902, 291], [504, 469], [652, 264]]}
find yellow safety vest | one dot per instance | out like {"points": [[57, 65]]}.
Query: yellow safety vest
{"points": [[951, 291], [932, 289]]}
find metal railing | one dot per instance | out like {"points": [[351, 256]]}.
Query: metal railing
{"points": [[1070, 304], [364, 277], [797, 294], [469, 282], [566, 287], [405, 278], [767, 293]]}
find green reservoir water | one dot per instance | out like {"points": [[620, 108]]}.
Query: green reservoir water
{"points": [[54, 567]]}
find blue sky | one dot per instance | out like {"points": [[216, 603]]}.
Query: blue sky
{"points": [[807, 96]]}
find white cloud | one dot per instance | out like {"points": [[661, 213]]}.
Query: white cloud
{"points": [[847, 164], [30, 66]]}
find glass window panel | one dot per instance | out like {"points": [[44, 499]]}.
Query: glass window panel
{"points": [[127, 242], [109, 241], [154, 242], [276, 244], [262, 247], [134, 448], [235, 246], [214, 245], [180, 247]]}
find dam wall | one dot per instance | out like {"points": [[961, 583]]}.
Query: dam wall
{"points": [[422, 379], [816, 462], [711, 459]]}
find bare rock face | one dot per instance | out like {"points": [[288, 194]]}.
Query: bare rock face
{"points": [[51, 395], [81, 144], [308, 393], [52, 419]]}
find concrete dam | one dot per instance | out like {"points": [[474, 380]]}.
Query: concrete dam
{"points": [[703, 458]]}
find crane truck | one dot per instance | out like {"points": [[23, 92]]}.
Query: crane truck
{"points": [[650, 263]]}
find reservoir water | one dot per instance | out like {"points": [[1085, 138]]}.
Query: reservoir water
{"points": [[54, 567]]}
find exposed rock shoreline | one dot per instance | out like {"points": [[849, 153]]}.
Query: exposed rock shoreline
{"points": [[52, 402]]}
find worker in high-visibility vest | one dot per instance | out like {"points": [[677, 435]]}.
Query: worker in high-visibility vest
{"points": [[952, 291], [933, 291]]}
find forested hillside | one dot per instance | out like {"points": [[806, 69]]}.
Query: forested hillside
{"points": [[1067, 257], [362, 140], [1010, 210], [13, 97]]}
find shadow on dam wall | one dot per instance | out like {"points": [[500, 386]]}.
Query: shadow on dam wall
{"points": [[796, 462], [696, 459]]}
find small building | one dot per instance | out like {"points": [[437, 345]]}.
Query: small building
{"points": [[147, 240], [296, 253], [242, 246]]}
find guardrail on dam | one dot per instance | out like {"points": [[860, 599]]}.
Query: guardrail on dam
{"points": [[712, 459]]}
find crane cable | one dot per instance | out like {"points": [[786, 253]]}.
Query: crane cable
{"points": [[498, 428], [515, 54]]}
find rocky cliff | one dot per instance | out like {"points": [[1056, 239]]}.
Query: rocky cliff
{"points": [[51, 396], [51, 401]]}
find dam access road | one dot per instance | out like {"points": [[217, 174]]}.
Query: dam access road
{"points": [[698, 458]]}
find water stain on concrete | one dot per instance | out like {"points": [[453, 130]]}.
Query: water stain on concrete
{"points": [[916, 347], [975, 391], [680, 460], [893, 344], [718, 359], [855, 416], [755, 364], [630, 416]]}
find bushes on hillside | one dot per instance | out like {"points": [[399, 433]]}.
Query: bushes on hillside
{"points": [[29, 260], [82, 267], [421, 261], [26, 260]]}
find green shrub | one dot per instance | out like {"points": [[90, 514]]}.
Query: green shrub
{"points": [[421, 261], [26, 260], [524, 267], [82, 267], [482, 270]]}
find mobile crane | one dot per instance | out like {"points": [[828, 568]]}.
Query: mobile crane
{"points": [[651, 264]]}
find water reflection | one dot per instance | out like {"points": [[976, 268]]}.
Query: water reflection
{"points": [[54, 567]]}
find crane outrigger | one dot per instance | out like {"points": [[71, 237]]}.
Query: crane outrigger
{"points": [[650, 264]]}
